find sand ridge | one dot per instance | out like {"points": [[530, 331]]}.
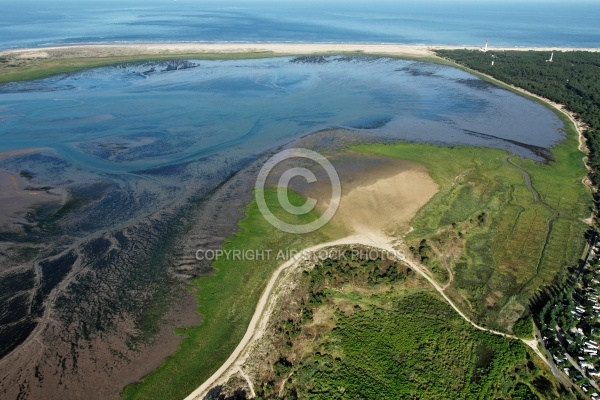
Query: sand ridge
{"points": [[155, 49]]}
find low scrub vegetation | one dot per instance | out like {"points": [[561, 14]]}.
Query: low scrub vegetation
{"points": [[370, 329], [488, 234]]}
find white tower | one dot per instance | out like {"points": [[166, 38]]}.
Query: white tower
{"points": [[551, 56], [484, 48]]}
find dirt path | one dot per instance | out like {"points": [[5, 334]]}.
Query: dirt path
{"points": [[249, 381], [221, 375], [258, 322]]}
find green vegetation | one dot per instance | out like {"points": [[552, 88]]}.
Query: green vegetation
{"points": [[571, 79], [524, 327], [226, 302], [25, 70], [391, 338], [486, 227]]}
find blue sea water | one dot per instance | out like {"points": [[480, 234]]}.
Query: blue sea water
{"points": [[32, 23]]}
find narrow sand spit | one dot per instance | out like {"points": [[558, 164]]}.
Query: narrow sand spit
{"points": [[117, 50]]}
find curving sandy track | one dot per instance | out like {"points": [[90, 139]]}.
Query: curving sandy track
{"points": [[261, 314], [252, 331]]}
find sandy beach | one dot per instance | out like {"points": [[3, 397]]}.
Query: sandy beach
{"points": [[124, 50], [36, 63]]}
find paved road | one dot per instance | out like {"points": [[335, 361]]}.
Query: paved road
{"points": [[558, 374]]}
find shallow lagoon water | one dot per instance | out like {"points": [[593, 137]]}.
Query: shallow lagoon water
{"points": [[135, 117]]}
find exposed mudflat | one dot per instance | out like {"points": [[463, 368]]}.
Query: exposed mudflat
{"points": [[18, 197]]}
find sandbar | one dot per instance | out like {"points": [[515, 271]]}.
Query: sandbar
{"points": [[150, 49]]}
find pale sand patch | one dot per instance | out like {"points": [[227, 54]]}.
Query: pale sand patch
{"points": [[33, 54], [380, 195], [386, 205]]}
